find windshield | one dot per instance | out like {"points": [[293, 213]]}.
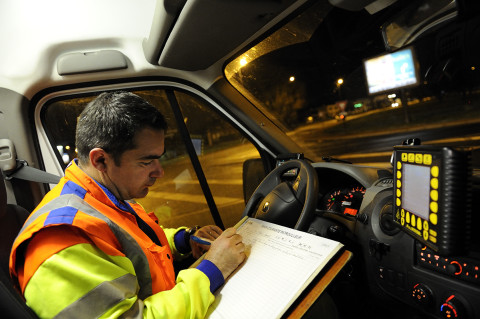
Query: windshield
{"points": [[343, 85]]}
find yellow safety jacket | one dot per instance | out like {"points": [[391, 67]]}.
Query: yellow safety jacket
{"points": [[82, 254]]}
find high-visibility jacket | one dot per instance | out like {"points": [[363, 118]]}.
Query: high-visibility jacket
{"points": [[82, 254]]}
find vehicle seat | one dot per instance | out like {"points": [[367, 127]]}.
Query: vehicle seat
{"points": [[12, 217]]}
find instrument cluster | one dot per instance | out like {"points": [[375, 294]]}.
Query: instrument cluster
{"points": [[344, 201]]}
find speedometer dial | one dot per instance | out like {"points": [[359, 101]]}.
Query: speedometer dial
{"points": [[345, 201]]}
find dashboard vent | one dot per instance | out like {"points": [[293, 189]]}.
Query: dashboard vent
{"points": [[386, 182]]}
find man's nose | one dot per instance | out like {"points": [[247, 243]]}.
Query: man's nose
{"points": [[158, 171]]}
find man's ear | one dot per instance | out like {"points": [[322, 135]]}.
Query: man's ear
{"points": [[99, 159]]}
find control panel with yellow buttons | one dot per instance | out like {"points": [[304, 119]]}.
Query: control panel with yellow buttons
{"points": [[431, 195]]}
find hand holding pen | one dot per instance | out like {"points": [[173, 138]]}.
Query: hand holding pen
{"points": [[201, 240]]}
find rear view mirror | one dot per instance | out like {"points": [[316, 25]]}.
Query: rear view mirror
{"points": [[421, 16]]}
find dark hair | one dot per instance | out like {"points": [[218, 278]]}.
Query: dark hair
{"points": [[111, 121]]}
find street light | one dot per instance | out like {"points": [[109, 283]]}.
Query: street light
{"points": [[291, 79], [339, 85]]}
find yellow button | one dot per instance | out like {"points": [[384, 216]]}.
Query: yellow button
{"points": [[413, 220], [402, 212], [427, 159], [399, 193], [407, 218], [425, 225], [419, 158], [434, 195], [411, 157], [399, 165], [404, 157], [433, 219], [399, 202], [399, 174], [434, 183], [399, 183], [402, 221], [433, 239], [434, 207], [433, 233], [434, 171], [419, 223], [425, 235]]}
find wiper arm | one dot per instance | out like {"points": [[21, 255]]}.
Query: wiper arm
{"points": [[333, 159]]}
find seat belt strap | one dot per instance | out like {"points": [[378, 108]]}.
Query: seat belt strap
{"points": [[15, 168], [33, 174]]}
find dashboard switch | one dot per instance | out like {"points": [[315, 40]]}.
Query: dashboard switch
{"points": [[422, 294], [454, 268], [363, 218]]}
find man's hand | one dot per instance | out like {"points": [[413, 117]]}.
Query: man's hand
{"points": [[227, 252], [210, 233]]}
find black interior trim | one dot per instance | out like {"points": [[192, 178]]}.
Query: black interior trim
{"points": [[194, 158]]}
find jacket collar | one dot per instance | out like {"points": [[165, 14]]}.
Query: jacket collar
{"points": [[97, 190]]}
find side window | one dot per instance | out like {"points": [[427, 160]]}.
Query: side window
{"points": [[221, 150], [60, 120], [178, 198]]}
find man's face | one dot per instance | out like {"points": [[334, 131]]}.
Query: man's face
{"points": [[139, 167]]}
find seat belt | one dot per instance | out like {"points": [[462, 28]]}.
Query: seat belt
{"points": [[11, 168], [33, 174]]}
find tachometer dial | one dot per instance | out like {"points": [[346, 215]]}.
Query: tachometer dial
{"points": [[353, 200]]}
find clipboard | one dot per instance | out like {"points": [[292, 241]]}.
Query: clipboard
{"points": [[292, 266], [318, 286]]}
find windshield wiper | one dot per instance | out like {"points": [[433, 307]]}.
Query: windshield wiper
{"points": [[333, 159]]}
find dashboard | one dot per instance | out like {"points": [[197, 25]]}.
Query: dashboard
{"points": [[355, 207]]}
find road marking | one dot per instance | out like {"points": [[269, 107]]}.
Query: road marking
{"points": [[210, 182], [192, 198], [386, 153], [363, 155]]}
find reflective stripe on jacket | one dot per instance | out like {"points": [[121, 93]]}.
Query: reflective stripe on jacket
{"points": [[95, 227]]}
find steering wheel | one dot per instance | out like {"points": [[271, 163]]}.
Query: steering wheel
{"points": [[284, 203]]}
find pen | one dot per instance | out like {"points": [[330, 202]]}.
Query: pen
{"points": [[200, 240]]}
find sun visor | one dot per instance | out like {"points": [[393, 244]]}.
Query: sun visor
{"points": [[206, 31], [166, 13]]}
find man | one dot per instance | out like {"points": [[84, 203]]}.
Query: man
{"points": [[87, 251]]}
